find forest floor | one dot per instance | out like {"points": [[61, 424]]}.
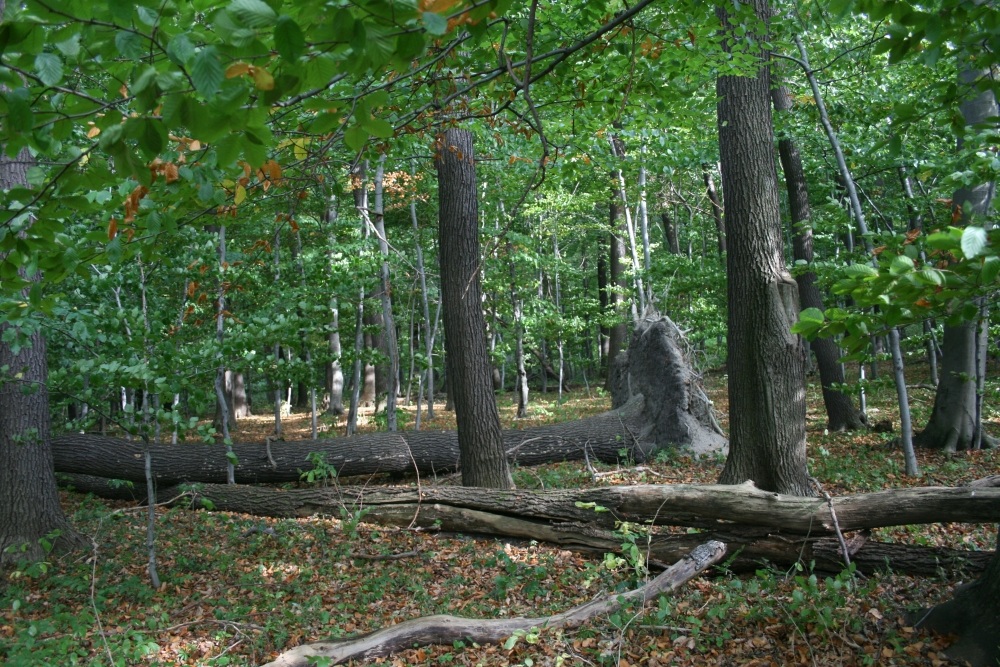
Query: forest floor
{"points": [[236, 594]]}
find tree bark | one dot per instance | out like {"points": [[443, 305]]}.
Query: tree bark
{"points": [[973, 614], [840, 411], [616, 288], [766, 362], [757, 525], [29, 500], [444, 629], [607, 437], [713, 198], [480, 437]]}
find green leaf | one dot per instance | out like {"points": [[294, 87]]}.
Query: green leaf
{"points": [[129, 45], [207, 73], [901, 264], [991, 267], [231, 457], [70, 47], [947, 240], [811, 315], [435, 24], [253, 13], [180, 49], [860, 271], [49, 68], [379, 128], [973, 241], [288, 38], [19, 115], [355, 137], [931, 276]]}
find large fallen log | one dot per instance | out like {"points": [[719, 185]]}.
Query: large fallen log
{"points": [[446, 629], [757, 525], [606, 437]]}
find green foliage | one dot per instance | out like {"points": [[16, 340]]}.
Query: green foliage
{"points": [[902, 289], [322, 472]]}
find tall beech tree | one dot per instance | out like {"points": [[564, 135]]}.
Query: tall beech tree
{"points": [[767, 435], [470, 373]]}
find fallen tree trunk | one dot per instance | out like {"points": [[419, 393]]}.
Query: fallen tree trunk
{"points": [[667, 410], [605, 437], [758, 525], [445, 629]]}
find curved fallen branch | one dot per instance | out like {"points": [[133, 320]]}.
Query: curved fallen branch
{"points": [[446, 629]]}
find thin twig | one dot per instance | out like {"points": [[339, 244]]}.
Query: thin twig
{"points": [[833, 516]]}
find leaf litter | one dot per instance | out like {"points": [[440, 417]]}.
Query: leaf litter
{"points": [[238, 589]]}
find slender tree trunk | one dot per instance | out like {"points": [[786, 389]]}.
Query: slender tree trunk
{"points": [[915, 223], [604, 301], [713, 198], [334, 370], [390, 340], [618, 150], [429, 328], [616, 289], [220, 372], [859, 217], [521, 383], [766, 361], [482, 455], [841, 413], [276, 248]]}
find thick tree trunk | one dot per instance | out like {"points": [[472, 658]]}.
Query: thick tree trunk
{"points": [[766, 362], [480, 437], [974, 616], [443, 629], [29, 502], [840, 411]]}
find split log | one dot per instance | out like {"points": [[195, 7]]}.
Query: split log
{"points": [[446, 629], [758, 525]]}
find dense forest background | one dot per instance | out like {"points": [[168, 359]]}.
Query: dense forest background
{"points": [[261, 221]]}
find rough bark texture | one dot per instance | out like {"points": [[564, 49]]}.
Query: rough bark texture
{"points": [[840, 410], [766, 362], [480, 437], [757, 525], [444, 629], [655, 368], [953, 420], [670, 231], [605, 437], [29, 501]]}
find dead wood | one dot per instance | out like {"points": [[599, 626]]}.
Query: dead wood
{"points": [[446, 629]]}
